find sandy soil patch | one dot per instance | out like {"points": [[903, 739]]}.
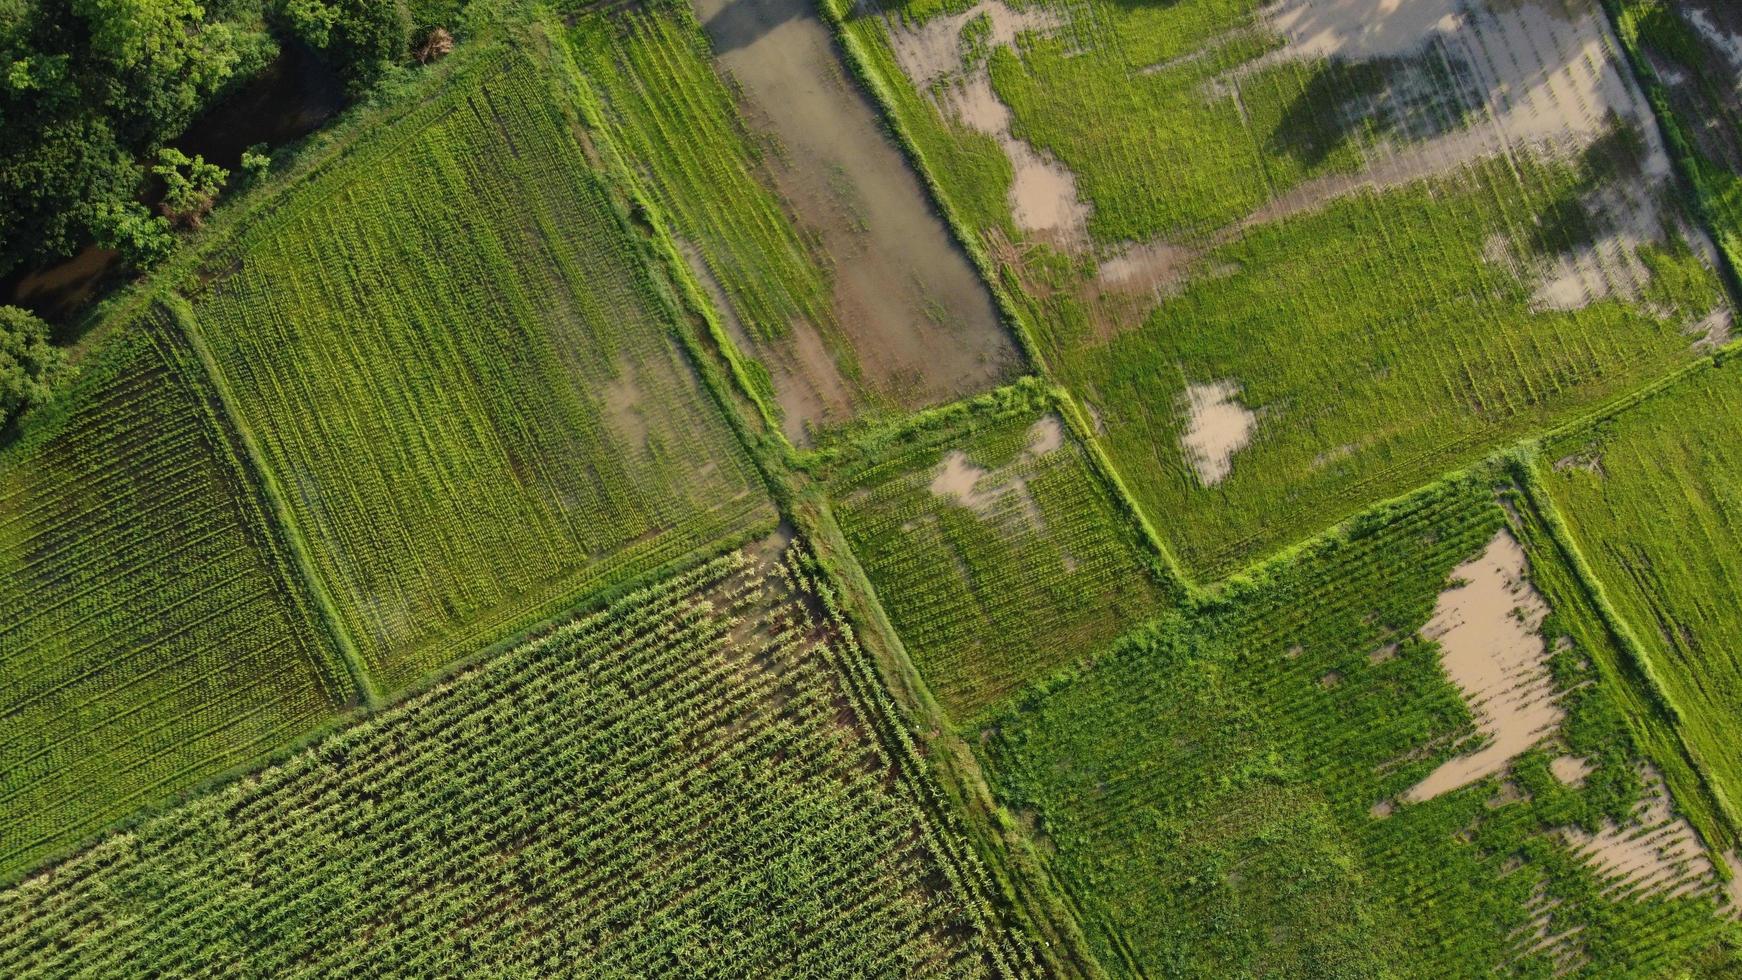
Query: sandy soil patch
{"points": [[1046, 436], [1043, 196], [986, 491], [623, 408], [1487, 625], [958, 478], [1570, 769], [922, 324], [1658, 852], [1218, 426]]}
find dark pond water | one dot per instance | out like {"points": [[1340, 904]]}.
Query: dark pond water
{"points": [[289, 99]]}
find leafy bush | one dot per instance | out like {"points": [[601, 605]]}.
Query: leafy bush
{"points": [[29, 364]]}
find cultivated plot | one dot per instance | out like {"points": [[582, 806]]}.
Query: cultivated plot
{"points": [[1301, 257], [1652, 498], [997, 550], [151, 631], [464, 380], [795, 212], [1391, 755], [703, 778]]}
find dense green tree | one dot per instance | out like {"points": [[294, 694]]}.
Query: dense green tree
{"points": [[29, 364], [190, 186], [362, 38]]}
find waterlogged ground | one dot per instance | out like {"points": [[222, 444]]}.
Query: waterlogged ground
{"points": [[922, 326], [1301, 257]]}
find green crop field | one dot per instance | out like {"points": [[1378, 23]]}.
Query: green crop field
{"points": [[1294, 280], [669, 111], [699, 779], [870, 488], [1650, 498], [1225, 793], [152, 633], [998, 552], [462, 374]]}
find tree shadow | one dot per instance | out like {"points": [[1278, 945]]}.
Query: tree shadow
{"points": [[741, 23]]}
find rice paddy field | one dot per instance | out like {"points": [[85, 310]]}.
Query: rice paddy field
{"points": [[996, 548], [700, 779], [466, 380], [1649, 497], [1391, 755], [931, 488], [1294, 264], [152, 631]]}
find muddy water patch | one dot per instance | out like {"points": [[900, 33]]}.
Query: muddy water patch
{"points": [[1656, 852], [1043, 194], [807, 382], [1218, 425], [1488, 627], [922, 325]]}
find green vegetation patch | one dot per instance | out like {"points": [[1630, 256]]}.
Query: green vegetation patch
{"points": [[1652, 498], [1294, 279], [996, 548], [465, 380], [151, 631], [1370, 345], [1229, 792], [703, 778]]}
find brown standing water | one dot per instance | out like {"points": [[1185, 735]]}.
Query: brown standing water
{"points": [[922, 324]]}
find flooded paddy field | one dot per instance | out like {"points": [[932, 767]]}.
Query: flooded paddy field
{"points": [[799, 214], [1375, 239]]}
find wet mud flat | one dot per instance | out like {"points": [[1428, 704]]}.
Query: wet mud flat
{"points": [[922, 326]]}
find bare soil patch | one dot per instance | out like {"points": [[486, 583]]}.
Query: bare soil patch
{"points": [[1570, 769], [1218, 426], [1487, 626]]}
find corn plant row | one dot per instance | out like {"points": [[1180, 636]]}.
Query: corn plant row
{"points": [[452, 354], [696, 779]]}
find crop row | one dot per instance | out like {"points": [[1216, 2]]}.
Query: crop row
{"points": [[456, 364], [150, 635], [689, 780], [1002, 569], [1220, 791]]}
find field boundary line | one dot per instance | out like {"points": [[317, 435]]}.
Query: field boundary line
{"points": [[1014, 316], [1035, 896], [182, 315], [1524, 467], [1054, 928]]}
